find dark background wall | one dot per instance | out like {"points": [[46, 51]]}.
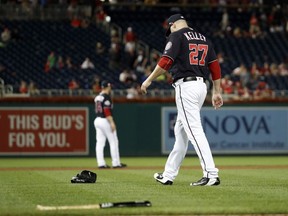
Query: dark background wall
{"points": [[139, 128]]}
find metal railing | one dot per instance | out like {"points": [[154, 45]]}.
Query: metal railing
{"points": [[162, 93], [5, 89], [2, 88]]}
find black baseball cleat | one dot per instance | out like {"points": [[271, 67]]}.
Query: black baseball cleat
{"points": [[163, 180], [104, 167], [122, 165], [206, 182]]}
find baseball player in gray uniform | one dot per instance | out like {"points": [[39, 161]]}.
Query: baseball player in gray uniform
{"points": [[106, 128], [191, 58]]}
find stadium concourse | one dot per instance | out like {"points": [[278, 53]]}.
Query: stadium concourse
{"points": [[45, 48]]}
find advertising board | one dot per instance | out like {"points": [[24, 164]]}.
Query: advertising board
{"points": [[236, 130], [44, 131]]}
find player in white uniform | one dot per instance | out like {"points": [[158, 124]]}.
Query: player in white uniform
{"points": [[106, 129], [191, 58]]}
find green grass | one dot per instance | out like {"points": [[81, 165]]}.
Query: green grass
{"points": [[249, 185]]}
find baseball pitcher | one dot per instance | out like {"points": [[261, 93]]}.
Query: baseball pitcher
{"points": [[191, 58]]}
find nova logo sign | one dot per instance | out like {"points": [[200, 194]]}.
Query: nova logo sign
{"points": [[232, 124]]}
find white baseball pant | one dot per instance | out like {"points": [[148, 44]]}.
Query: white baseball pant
{"points": [[104, 132], [189, 98]]}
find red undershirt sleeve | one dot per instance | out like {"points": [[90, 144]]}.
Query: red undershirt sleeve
{"points": [[165, 62], [107, 111], [215, 70]]}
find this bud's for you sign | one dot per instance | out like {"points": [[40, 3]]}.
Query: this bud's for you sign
{"points": [[49, 131]]}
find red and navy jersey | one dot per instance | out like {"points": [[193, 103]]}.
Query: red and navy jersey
{"points": [[191, 52], [103, 105]]}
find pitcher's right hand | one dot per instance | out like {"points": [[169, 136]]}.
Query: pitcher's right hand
{"points": [[144, 86]]}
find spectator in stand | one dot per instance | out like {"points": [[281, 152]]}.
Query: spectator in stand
{"points": [[23, 88], [244, 76], [34, 6], [100, 48], [95, 5], [114, 32], [32, 88], [76, 21], [238, 32], [127, 76], [87, 64], [114, 52], [73, 9], [85, 22], [68, 63], [165, 25], [274, 69], [224, 21], [147, 72], [169, 78], [276, 19], [6, 35], [26, 7], [265, 70], [262, 90], [270, 19], [150, 2], [263, 21], [253, 82], [50, 62], [140, 62], [222, 4], [283, 71], [254, 69], [161, 78], [129, 41], [221, 58], [241, 92], [241, 73], [154, 59], [60, 63], [129, 58], [2, 68], [134, 91], [101, 17], [254, 28], [273, 76], [227, 85], [96, 86], [73, 84]]}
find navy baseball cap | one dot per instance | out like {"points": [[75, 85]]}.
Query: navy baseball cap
{"points": [[171, 20], [105, 84]]}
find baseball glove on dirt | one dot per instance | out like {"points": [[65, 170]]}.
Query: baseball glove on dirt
{"points": [[85, 176]]}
